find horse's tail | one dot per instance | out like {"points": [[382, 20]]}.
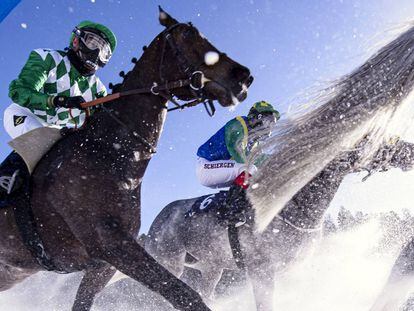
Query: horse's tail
{"points": [[362, 102]]}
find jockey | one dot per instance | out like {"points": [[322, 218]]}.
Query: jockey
{"points": [[222, 158], [50, 89]]}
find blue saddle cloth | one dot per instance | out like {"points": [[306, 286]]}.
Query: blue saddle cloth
{"points": [[211, 203]]}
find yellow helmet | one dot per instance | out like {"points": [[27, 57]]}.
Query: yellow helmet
{"points": [[263, 107]]}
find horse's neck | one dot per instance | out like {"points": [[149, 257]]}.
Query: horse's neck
{"points": [[143, 114], [307, 208]]}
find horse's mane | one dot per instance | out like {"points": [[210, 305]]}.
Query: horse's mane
{"points": [[374, 98]]}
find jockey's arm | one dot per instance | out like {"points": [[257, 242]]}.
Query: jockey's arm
{"points": [[26, 89], [235, 140], [100, 89]]}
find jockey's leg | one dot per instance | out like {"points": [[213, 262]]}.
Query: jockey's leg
{"points": [[224, 173], [236, 206], [13, 171], [19, 120], [218, 174]]}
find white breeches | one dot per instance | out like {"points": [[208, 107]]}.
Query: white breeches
{"points": [[19, 120], [221, 173]]}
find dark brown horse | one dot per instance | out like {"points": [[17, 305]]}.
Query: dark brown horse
{"points": [[86, 190]]}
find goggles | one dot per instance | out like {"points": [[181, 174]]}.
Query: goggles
{"points": [[266, 120], [93, 42]]}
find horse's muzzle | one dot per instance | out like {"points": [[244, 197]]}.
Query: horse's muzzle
{"points": [[249, 81], [242, 95]]}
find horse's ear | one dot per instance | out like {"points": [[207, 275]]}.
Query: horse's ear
{"points": [[165, 19]]}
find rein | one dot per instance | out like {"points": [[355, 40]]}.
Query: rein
{"points": [[155, 89]]}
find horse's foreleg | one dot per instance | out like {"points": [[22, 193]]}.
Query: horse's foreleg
{"points": [[205, 283], [399, 284], [10, 276], [172, 258], [92, 283], [123, 252], [262, 280]]}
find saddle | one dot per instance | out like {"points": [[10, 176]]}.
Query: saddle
{"points": [[231, 207], [211, 204]]}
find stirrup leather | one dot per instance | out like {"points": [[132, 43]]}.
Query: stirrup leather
{"points": [[7, 182]]}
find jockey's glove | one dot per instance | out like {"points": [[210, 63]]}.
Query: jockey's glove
{"points": [[67, 102]]}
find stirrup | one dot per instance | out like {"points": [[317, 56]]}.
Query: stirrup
{"points": [[241, 221], [7, 182]]}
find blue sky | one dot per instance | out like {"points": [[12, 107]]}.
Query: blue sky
{"points": [[288, 45]]}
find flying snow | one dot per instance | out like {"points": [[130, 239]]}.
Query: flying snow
{"points": [[211, 58]]}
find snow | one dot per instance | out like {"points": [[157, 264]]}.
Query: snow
{"points": [[344, 270], [343, 273], [211, 58]]}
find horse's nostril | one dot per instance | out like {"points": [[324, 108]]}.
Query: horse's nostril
{"points": [[249, 81], [240, 73]]}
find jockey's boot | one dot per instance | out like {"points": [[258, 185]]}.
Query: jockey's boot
{"points": [[237, 206], [235, 209], [13, 173]]}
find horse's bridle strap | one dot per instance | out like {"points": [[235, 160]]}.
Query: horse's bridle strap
{"points": [[154, 89]]}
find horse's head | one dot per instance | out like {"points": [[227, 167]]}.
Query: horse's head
{"points": [[214, 75]]}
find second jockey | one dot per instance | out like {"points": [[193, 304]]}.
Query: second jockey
{"points": [[222, 158]]}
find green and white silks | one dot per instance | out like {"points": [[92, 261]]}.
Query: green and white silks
{"points": [[49, 73]]}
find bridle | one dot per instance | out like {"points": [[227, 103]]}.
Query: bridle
{"points": [[195, 76]]}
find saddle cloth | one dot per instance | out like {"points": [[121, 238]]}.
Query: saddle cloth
{"points": [[211, 203]]}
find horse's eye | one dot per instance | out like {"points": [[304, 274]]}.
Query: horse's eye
{"points": [[189, 34]]}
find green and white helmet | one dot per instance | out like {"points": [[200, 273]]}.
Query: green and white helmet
{"points": [[96, 43]]}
